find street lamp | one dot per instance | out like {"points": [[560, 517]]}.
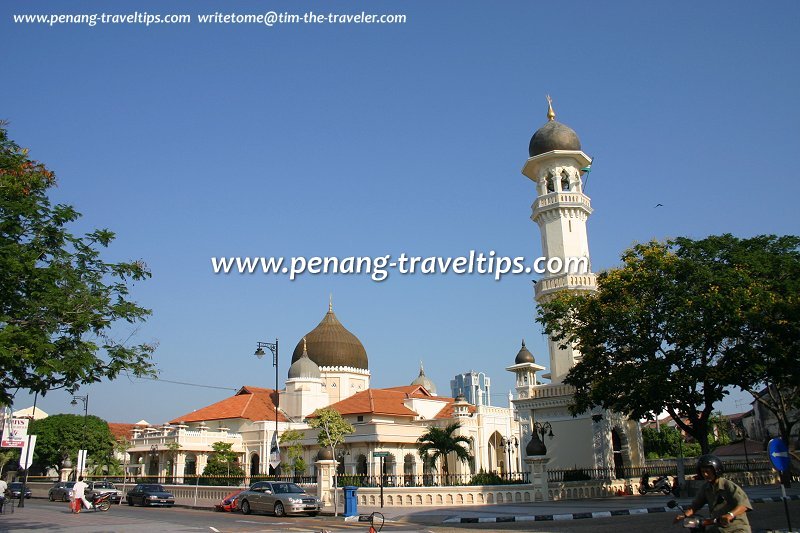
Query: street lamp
{"points": [[741, 432], [511, 444], [154, 457], [85, 400], [272, 347], [542, 430]]}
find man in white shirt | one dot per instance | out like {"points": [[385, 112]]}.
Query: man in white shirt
{"points": [[3, 489], [78, 493]]}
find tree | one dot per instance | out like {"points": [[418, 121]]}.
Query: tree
{"points": [[332, 431], [59, 437], [667, 442], [223, 466], [292, 439], [438, 442], [332, 428], [676, 326], [59, 300]]}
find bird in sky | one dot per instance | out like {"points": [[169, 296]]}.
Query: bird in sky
{"points": [[659, 205]]}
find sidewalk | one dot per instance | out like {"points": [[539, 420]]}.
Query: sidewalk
{"points": [[556, 510]]}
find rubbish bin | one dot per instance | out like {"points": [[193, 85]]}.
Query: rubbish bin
{"points": [[350, 502]]}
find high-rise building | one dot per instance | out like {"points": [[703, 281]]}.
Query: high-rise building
{"points": [[474, 386]]}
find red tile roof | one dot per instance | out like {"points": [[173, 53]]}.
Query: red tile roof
{"points": [[447, 410], [375, 401], [251, 403], [120, 430]]}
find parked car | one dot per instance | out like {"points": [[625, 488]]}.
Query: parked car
{"points": [[277, 497], [62, 490], [149, 494], [102, 487], [15, 489], [229, 502]]}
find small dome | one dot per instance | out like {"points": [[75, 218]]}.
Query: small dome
{"points": [[330, 344], [325, 454], [524, 355], [424, 381], [553, 136], [304, 367]]}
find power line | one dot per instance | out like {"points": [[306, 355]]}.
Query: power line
{"points": [[188, 384]]}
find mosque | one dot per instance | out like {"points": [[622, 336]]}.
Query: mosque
{"points": [[330, 367]]}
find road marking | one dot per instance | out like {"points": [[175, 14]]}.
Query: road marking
{"points": [[213, 529]]}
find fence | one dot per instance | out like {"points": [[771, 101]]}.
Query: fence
{"points": [[659, 469], [432, 480]]}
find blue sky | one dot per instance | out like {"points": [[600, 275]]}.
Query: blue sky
{"points": [[230, 140]]}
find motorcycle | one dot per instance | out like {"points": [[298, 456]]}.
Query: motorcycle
{"points": [[661, 485], [101, 502], [694, 523]]}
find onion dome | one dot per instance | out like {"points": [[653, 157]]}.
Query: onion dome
{"points": [[524, 355], [424, 381], [330, 344], [304, 367], [553, 136]]}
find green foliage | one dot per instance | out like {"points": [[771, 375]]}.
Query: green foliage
{"points": [[292, 441], [332, 428], [487, 478], [438, 442], [679, 324], [61, 436], [7, 456], [222, 466], [59, 299]]}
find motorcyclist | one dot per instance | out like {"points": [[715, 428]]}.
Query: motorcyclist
{"points": [[726, 500]]}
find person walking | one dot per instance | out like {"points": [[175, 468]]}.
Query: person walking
{"points": [[3, 490], [79, 495], [726, 500]]}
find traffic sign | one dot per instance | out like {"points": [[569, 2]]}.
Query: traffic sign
{"points": [[380, 454], [779, 454]]}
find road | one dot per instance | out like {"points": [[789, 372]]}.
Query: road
{"points": [[43, 515]]}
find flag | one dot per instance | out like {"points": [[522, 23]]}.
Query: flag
{"points": [[274, 452]]}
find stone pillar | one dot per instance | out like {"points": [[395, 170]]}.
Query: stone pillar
{"points": [[65, 473], [326, 470], [537, 466]]}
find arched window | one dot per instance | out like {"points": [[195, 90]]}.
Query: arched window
{"points": [[564, 181], [409, 470], [254, 464], [551, 182], [361, 465], [190, 467]]}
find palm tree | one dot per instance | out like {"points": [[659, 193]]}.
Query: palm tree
{"points": [[438, 442]]}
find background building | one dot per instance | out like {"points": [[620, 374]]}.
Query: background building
{"points": [[474, 386]]}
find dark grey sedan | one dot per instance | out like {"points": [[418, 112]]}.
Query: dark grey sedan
{"points": [[150, 494]]}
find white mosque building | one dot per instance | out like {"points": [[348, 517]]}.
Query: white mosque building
{"points": [[330, 367]]}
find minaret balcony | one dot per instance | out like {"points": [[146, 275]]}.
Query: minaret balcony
{"points": [[561, 282], [558, 200]]}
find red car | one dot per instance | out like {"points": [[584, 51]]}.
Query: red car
{"points": [[229, 503]]}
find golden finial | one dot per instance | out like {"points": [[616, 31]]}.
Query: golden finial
{"points": [[330, 303], [304, 346], [551, 115]]}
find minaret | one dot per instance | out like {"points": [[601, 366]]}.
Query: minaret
{"points": [[561, 209]]}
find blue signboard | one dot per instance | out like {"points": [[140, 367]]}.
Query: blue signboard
{"points": [[779, 454]]}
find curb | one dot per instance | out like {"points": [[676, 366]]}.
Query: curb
{"points": [[583, 516], [553, 517]]}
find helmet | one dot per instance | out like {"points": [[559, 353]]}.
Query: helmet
{"points": [[710, 461]]}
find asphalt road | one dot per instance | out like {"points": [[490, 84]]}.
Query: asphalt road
{"points": [[45, 516]]}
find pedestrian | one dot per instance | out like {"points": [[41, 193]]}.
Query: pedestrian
{"points": [[726, 500], [79, 496], [3, 490]]}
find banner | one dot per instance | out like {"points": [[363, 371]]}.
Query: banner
{"points": [[15, 433], [274, 452], [26, 456]]}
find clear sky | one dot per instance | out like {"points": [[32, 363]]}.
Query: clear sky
{"points": [[193, 141]]}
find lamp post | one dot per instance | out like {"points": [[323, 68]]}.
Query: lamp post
{"points": [[742, 433], [85, 400], [154, 457], [511, 444], [542, 430], [272, 347]]}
